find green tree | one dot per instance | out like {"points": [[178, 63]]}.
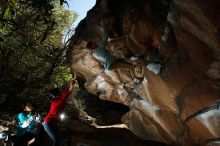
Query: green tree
{"points": [[32, 51]]}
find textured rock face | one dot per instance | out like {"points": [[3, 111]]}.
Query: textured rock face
{"points": [[172, 85]]}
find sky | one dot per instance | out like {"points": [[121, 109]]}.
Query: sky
{"points": [[81, 7]]}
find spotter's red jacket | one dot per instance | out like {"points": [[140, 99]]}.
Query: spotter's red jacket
{"points": [[57, 107]]}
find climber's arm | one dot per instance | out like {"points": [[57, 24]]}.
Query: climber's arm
{"points": [[105, 34]]}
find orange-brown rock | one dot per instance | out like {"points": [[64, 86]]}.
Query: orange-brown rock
{"points": [[173, 85]]}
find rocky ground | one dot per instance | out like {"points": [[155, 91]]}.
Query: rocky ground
{"points": [[84, 131]]}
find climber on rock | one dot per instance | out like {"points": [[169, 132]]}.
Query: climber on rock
{"points": [[110, 62], [98, 50]]}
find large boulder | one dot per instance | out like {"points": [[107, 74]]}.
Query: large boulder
{"points": [[172, 82]]}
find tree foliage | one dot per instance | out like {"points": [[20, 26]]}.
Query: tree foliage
{"points": [[32, 50]]}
